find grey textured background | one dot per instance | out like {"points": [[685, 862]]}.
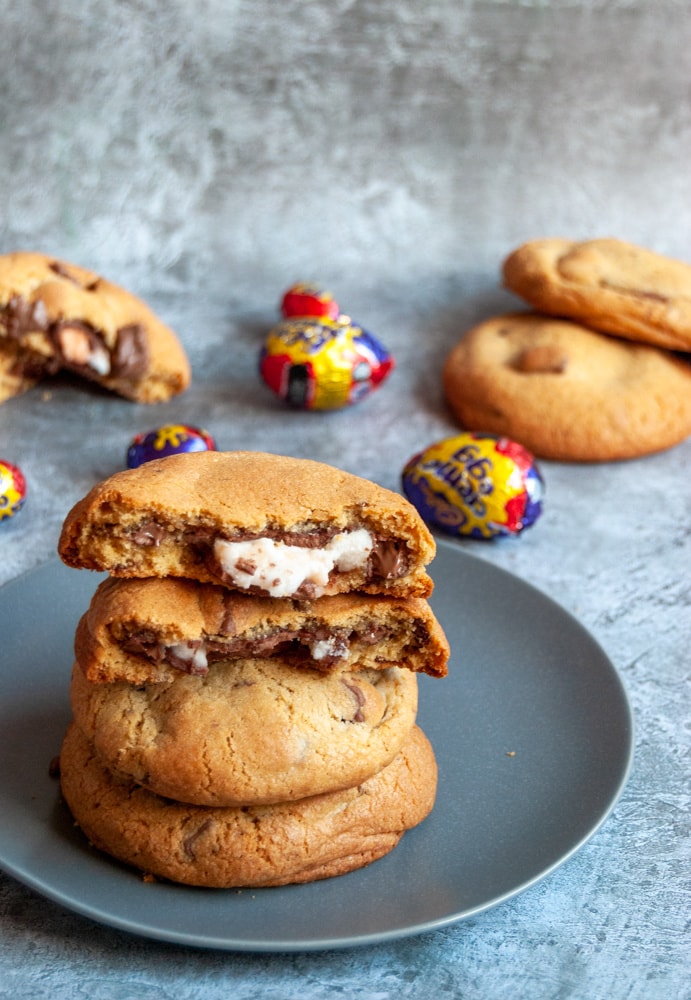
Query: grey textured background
{"points": [[206, 154], [230, 146]]}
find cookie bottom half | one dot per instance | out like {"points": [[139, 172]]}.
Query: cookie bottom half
{"points": [[233, 847], [251, 732]]}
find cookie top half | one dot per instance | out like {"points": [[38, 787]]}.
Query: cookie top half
{"points": [[567, 392], [69, 317], [607, 284], [252, 521]]}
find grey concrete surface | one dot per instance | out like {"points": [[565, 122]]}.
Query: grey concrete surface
{"points": [[206, 154]]}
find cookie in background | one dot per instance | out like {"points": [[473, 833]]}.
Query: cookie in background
{"points": [[606, 284], [567, 392], [55, 315]]}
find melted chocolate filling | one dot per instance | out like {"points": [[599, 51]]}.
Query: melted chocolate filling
{"points": [[149, 534], [20, 317], [293, 645], [388, 559], [129, 359]]}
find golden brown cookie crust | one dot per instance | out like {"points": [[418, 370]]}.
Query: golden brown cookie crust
{"points": [[566, 392], [162, 519], [606, 284], [133, 631], [317, 837], [252, 731], [68, 317]]}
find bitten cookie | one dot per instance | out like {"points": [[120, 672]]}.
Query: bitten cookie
{"points": [[153, 629], [251, 731], [314, 838], [566, 392], [267, 524], [62, 316], [606, 284]]}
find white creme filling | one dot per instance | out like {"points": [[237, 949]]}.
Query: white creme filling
{"points": [[322, 648], [100, 361], [190, 653], [77, 349], [281, 569], [195, 655]]}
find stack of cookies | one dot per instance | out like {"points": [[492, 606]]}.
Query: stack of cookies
{"points": [[599, 371], [244, 695]]}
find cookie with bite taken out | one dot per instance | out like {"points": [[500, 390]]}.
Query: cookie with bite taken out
{"points": [[55, 315]]}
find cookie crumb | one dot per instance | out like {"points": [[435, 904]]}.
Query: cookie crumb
{"points": [[54, 767], [510, 753]]}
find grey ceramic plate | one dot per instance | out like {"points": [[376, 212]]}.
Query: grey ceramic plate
{"points": [[532, 732]]}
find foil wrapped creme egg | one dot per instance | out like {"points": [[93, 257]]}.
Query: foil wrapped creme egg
{"points": [[475, 485], [171, 439], [319, 363], [12, 490]]}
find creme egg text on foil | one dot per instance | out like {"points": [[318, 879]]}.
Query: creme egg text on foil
{"points": [[475, 485]]}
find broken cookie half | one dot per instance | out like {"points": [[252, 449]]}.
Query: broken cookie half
{"points": [[150, 631], [254, 522], [59, 316]]}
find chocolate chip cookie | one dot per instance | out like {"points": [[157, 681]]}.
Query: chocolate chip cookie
{"points": [[606, 284], [222, 847], [149, 630], [254, 522], [567, 392], [61, 316], [251, 731]]}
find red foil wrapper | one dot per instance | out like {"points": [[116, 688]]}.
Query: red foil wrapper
{"points": [[306, 299]]}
